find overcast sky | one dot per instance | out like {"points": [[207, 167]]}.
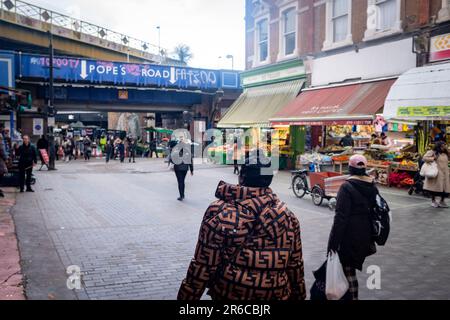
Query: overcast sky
{"points": [[212, 28]]}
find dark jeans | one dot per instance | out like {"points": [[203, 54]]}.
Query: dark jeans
{"points": [[181, 177], [133, 156], [236, 167], [25, 170]]}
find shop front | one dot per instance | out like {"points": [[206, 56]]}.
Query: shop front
{"points": [[422, 95], [326, 115], [266, 91]]}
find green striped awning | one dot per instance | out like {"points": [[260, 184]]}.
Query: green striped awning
{"points": [[257, 105]]}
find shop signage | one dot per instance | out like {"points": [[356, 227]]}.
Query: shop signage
{"points": [[441, 111], [123, 95], [94, 71], [38, 127], [6, 70], [291, 70], [440, 48], [323, 123]]}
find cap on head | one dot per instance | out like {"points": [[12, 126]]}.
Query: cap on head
{"points": [[358, 162]]}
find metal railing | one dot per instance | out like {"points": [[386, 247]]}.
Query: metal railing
{"points": [[63, 21]]}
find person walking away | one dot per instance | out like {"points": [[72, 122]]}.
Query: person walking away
{"points": [[103, 142], [87, 144], [182, 159], [27, 159], [347, 141], [121, 151], [249, 247], [109, 150], [42, 144], [351, 234], [3, 166], [67, 146], [236, 157], [439, 188], [154, 148], [132, 150]]}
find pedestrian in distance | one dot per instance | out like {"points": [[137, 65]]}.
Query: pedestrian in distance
{"points": [[438, 187], [109, 150], [3, 160], [249, 246], [121, 151], [236, 157], [27, 159], [67, 146], [351, 234], [87, 147], [154, 148], [347, 141], [132, 150], [182, 159], [42, 144]]}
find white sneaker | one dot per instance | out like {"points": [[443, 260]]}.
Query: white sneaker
{"points": [[434, 204], [443, 205]]}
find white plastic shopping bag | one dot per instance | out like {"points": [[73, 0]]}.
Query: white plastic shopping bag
{"points": [[336, 282]]}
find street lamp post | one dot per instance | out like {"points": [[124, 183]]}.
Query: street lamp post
{"points": [[230, 56], [50, 107], [159, 42]]}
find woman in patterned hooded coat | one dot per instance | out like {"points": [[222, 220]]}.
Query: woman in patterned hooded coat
{"points": [[249, 247]]}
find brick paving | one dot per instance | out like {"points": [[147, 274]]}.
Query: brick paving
{"points": [[123, 226], [11, 287]]}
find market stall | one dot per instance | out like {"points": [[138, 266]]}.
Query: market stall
{"points": [[421, 95], [328, 114]]}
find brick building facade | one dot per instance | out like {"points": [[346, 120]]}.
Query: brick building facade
{"points": [[329, 27]]}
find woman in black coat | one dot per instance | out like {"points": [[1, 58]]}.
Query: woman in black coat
{"points": [[351, 234], [182, 158]]}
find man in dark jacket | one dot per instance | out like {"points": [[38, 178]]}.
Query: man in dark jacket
{"points": [[27, 159], [351, 234], [183, 161], [132, 150], [347, 141], [249, 246]]}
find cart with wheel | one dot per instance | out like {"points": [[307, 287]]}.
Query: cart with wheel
{"points": [[325, 185]]}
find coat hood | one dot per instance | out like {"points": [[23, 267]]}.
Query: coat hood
{"points": [[364, 184], [269, 212]]}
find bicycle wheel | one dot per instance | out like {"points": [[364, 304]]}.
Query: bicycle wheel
{"points": [[317, 195], [299, 186]]}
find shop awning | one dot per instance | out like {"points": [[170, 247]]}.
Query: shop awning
{"points": [[346, 104], [257, 105], [421, 94]]}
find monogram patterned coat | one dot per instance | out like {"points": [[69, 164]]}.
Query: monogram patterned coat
{"points": [[249, 248]]}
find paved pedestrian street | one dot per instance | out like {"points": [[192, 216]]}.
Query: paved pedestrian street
{"points": [[122, 225]]}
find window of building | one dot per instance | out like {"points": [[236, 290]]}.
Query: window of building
{"points": [[383, 18], [289, 28], [338, 24], [340, 20], [387, 14], [263, 40]]}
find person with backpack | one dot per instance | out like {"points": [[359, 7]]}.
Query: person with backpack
{"points": [[249, 246], [352, 234]]}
